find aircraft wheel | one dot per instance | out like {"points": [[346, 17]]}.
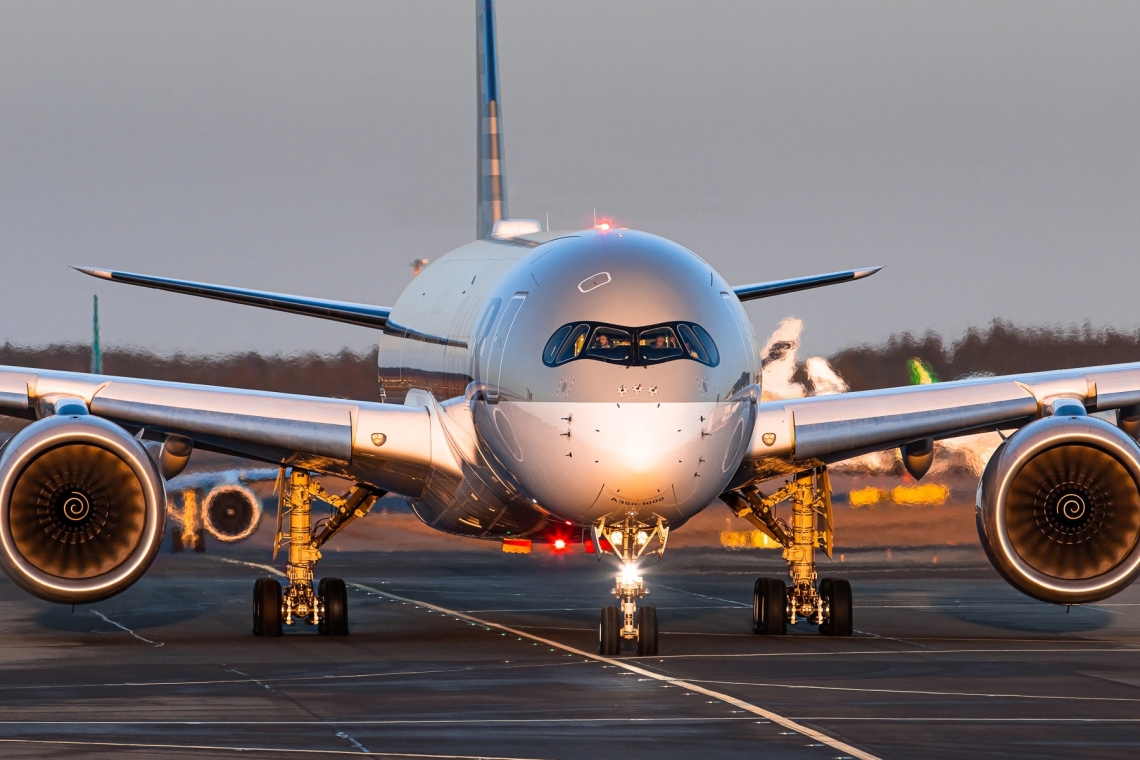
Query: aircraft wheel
{"points": [[769, 607], [266, 607], [837, 593], [335, 596], [647, 632], [609, 632]]}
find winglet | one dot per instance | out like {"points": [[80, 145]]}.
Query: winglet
{"points": [[102, 274], [861, 273]]}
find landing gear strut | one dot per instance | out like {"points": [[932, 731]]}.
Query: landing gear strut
{"points": [[828, 605], [327, 606], [628, 541]]}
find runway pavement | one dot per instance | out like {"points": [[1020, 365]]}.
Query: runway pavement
{"points": [[473, 654]]}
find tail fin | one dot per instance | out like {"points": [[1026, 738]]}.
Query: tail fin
{"points": [[492, 194]]}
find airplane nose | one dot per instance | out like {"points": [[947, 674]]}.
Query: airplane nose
{"points": [[635, 448], [585, 460]]}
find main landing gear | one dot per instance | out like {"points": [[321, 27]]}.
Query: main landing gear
{"points": [[775, 605], [628, 541], [327, 607]]}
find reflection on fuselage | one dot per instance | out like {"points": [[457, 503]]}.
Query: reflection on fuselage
{"points": [[644, 402]]}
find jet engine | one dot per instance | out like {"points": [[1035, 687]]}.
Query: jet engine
{"points": [[82, 509], [231, 512], [1059, 509]]}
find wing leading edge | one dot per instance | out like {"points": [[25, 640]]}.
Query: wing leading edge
{"points": [[780, 287], [395, 448], [360, 314], [827, 429]]}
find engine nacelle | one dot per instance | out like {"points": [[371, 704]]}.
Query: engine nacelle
{"points": [[1059, 510], [82, 509], [231, 512]]}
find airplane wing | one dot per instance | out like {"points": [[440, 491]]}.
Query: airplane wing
{"points": [[790, 434], [387, 446], [780, 287], [361, 314]]}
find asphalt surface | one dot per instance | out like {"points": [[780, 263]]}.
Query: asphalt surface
{"points": [[948, 661]]}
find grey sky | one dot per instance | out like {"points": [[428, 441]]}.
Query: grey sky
{"points": [[988, 153]]}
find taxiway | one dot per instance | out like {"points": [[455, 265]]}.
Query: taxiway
{"points": [[476, 654]]}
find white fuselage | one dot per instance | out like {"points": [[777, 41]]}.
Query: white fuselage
{"points": [[623, 426]]}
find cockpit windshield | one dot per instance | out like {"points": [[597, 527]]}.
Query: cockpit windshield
{"points": [[637, 346]]}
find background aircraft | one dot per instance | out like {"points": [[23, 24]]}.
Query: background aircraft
{"points": [[543, 385]]}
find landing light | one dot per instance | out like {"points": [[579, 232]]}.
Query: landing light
{"points": [[616, 538]]}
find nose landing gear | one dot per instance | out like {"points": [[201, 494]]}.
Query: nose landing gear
{"points": [[628, 541], [828, 605], [327, 607]]}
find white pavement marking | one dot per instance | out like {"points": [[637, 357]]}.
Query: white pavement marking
{"points": [[381, 722], [704, 596], [327, 678], [353, 742], [994, 695], [887, 652], [128, 630], [760, 711], [274, 750], [267, 568], [941, 719]]}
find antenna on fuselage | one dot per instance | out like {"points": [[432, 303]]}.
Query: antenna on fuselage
{"points": [[491, 203]]}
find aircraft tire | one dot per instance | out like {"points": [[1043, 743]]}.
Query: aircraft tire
{"points": [[266, 607], [837, 593], [609, 632], [769, 607], [335, 596], [647, 632]]}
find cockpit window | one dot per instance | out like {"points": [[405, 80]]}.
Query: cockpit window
{"points": [[566, 344], [658, 344], [694, 347], [707, 342], [550, 353], [611, 344], [630, 346]]}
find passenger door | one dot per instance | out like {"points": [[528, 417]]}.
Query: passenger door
{"points": [[494, 367]]}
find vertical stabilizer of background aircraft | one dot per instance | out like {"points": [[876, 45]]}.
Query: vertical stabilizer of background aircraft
{"points": [[920, 372]]}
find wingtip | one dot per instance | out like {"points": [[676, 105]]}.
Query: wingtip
{"points": [[866, 272], [102, 274]]}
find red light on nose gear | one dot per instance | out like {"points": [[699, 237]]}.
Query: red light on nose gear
{"points": [[559, 544]]}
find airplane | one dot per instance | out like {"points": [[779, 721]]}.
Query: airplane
{"points": [[219, 503], [539, 385]]}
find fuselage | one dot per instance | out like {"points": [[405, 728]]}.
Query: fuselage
{"points": [[587, 374]]}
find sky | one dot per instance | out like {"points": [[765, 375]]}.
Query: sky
{"points": [[987, 153]]}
